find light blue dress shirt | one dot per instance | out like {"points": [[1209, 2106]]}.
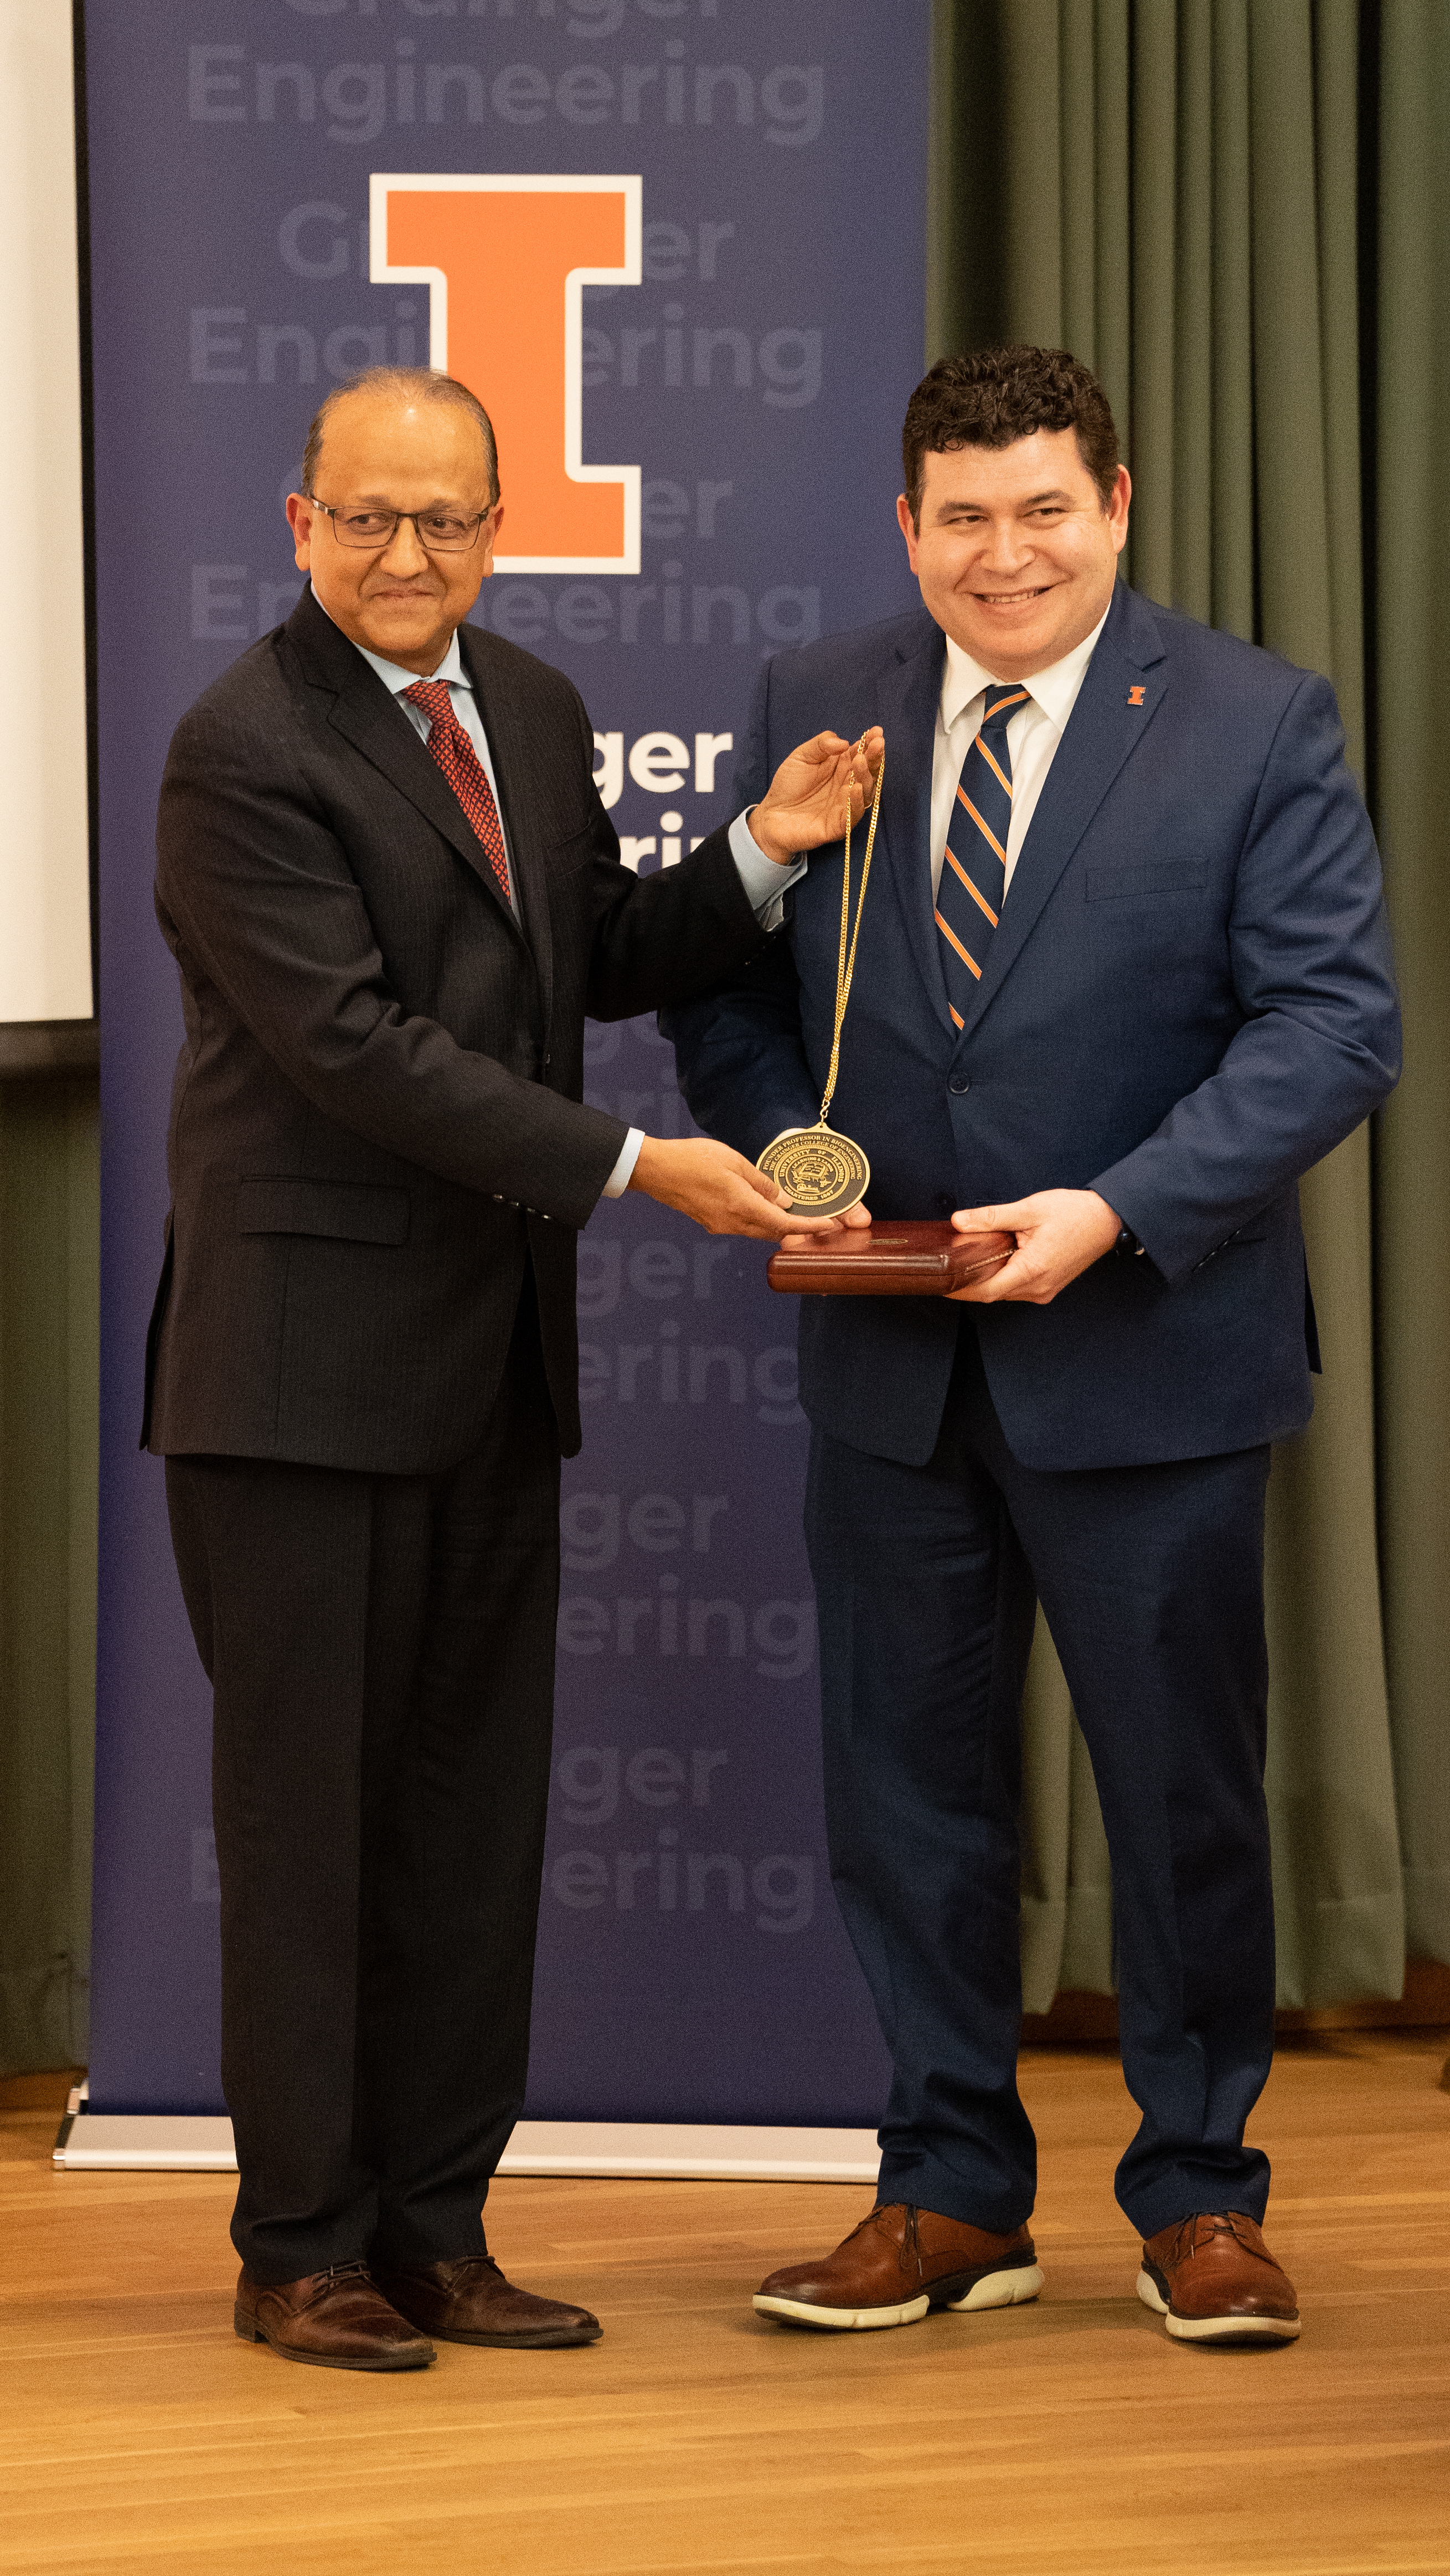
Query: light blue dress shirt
{"points": [[764, 881]]}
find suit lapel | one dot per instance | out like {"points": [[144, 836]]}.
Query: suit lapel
{"points": [[1125, 684], [363, 712], [515, 753], [910, 691]]}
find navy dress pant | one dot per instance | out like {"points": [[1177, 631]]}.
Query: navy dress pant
{"points": [[1151, 1579], [381, 1650]]}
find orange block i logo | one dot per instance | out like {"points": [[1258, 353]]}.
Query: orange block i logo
{"points": [[506, 260], [1135, 697]]}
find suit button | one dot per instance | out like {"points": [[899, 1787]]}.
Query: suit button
{"points": [[959, 1083], [944, 1204]]}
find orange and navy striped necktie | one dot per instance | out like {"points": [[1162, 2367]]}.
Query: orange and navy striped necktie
{"points": [[464, 771], [974, 868]]}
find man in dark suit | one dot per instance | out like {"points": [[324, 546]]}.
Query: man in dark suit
{"points": [[1123, 976], [393, 894]]}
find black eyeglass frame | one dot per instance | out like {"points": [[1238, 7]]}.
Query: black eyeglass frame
{"points": [[335, 510]]}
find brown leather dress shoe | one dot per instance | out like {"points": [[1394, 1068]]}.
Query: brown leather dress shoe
{"points": [[469, 2301], [898, 2263], [338, 2319], [1214, 2281]]}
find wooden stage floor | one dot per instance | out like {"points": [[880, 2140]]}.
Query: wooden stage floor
{"points": [[1067, 2439]]}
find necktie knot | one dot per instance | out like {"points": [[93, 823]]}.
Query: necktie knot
{"points": [[1003, 699], [431, 698]]}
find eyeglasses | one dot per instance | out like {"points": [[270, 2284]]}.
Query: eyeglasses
{"points": [[440, 532]]}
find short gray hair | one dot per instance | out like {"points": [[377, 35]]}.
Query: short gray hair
{"points": [[417, 384]]}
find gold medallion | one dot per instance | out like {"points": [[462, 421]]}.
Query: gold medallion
{"points": [[821, 1173]]}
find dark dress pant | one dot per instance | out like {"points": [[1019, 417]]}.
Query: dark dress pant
{"points": [[381, 1650], [1151, 1579]]}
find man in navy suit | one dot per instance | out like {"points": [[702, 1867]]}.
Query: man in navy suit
{"points": [[1123, 977]]}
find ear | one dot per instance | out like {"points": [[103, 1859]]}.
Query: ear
{"points": [[300, 519], [908, 527]]}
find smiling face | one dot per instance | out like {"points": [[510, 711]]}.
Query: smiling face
{"points": [[380, 452], [1014, 551]]}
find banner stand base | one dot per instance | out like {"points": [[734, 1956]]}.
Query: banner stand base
{"points": [[143, 2142]]}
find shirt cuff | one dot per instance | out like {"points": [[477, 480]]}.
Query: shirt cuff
{"points": [[763, 879], [619, 1179]]}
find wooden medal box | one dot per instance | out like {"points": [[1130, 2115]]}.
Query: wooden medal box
{"points": [[906, 1259]]}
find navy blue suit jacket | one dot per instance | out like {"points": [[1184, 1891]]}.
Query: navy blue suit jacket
{"points": [[1189, 1000]]}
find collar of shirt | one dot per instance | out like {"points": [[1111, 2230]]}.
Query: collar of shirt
{"points": [[1053, 690]]}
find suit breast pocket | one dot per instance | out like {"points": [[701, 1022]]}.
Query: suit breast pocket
{"points": [[344, 1211], [1123, 884]]}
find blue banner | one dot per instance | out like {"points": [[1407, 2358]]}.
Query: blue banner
{"points": [[703, 472]]}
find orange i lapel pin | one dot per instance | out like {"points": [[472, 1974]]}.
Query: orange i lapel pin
{"points": [[1135, 696]]}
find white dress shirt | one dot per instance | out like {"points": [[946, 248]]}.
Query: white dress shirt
{"points": [[1033, 735], [763, 880]]}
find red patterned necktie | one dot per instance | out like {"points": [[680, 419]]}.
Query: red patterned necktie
{"points": [[464, 771]]}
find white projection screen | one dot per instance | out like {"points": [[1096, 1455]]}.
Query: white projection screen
{"points": [[45, 890]]}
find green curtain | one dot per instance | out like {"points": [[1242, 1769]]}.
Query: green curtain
{"points": [[1409, 593], [1235, 211], [49, 1318]]}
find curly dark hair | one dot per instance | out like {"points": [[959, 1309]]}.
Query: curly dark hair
{"points": [[989, 397]]}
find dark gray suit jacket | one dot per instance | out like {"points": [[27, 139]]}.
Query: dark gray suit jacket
{"points": [[377, 1116]]}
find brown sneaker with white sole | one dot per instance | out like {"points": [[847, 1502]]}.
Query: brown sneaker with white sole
{"points": [[899, 2263], [1213, 2280]]}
